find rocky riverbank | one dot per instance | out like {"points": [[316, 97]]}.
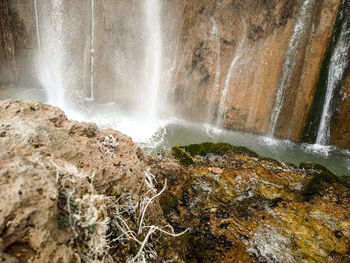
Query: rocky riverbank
{"points": [[73, 193]]}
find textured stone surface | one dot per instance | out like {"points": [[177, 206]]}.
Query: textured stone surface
{"points": [[34, 138], [256, 35], [340, 135], [242, 208], [8, 73]]}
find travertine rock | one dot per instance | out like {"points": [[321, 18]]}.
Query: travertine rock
{"points": [[252, 209], [34, 139]]}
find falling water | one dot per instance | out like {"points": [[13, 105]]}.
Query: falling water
{"points": [[153, 55], [92, 51], [298, 32], [215, 36], [337, 67], [50, 66], [37, 24], [222, 109]]}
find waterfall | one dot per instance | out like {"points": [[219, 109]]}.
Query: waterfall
{"points": [[215, 36], [336, 70], [237, 55], [92, 51], [37, 24], [51, 59], [153, 63], [295, 39]]}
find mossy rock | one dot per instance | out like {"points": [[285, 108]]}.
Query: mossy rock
{"points": [[215, 148], [182, 156], [321, 181], [314, 166]]}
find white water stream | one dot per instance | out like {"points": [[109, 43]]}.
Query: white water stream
{"points": [[153, 64], [338, 64], [51, 60], [92, 51], [221, 116], [295, 39], [215, 37], [37, 25]]}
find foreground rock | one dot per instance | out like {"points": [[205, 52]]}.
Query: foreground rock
{"points": [[240, 207], [70, 192], [37, 142]]}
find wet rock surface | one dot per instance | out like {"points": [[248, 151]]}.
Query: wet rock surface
{"points": [[235, 205], [244, 208]]}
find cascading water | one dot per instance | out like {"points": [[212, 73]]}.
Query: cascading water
{"points": [[336, 70], [153, 64], [295, 39], [215, 37], [237, 55], [37, 24], [51, 59], [92, 51]]}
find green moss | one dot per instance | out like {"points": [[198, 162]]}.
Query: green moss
{"points": [[182, 156], [62, 224], [92, 228], [215, 148], [168, 203]]}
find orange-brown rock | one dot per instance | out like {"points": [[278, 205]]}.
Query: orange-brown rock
{"points": [[251, 37], [340, 135], [300, 95], [255, 210], [8, 73]]}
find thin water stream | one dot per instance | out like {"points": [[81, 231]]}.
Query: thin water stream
{"points": [[92, 51], [154, 47], [336, 70], [237, 55], [295, 39], [215, 37], [37, 24]]}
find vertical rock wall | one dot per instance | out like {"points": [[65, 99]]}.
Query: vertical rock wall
{"points": [[340, 134], [245, 56], [8, 71], [300, 95]]}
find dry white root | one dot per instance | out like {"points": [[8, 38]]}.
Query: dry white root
{"points": [[92, 227], [109, 146], [129, 221], [87, 213]]}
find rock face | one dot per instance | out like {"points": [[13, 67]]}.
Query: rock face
{"points": [[237, 55], [341, 130], [240, 207], [34, 140], [8, 72]]}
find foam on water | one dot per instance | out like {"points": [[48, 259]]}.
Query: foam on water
{"points": [[153, 133]]}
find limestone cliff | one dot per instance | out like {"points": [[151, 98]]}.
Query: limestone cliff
{"points": [[8, 73], [234, 55]]}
